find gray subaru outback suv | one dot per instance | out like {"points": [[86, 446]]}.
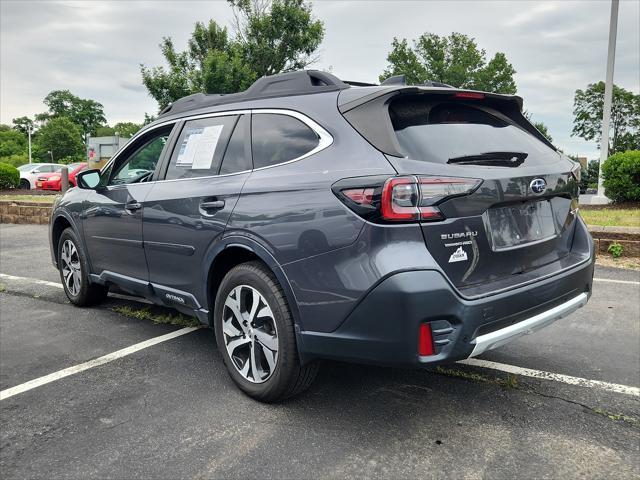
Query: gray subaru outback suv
{"points": [[307, 218]]}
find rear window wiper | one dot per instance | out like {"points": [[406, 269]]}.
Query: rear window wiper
{"points": [[493, 159]]}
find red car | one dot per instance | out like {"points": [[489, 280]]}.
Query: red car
{"points": [[52, 181]]}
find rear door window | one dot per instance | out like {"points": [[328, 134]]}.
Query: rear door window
{"points": [[200, 147], [437, 131], [278, 138], [237, 158]]}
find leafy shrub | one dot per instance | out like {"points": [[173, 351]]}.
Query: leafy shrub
{"points": [[15, 160], [621, 173], [9, 176], [615, 249]]}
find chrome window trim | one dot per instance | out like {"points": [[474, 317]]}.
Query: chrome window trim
{"points": [[325, 139]]}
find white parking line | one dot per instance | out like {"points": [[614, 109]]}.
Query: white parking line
{"points": [[527, 372], [52, 377], [610, 280], [59, 285], [30, 280], [557, 377]]}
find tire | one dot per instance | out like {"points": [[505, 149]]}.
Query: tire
{"points": [[73, 267], [24, 184], [271, 377]]}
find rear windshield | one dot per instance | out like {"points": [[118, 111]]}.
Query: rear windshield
{"points": [[436, 131]]}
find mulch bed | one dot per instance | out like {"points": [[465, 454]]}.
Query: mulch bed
{"points": [[18, 191]]}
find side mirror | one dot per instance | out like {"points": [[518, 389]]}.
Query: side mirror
{"points": [[88, 179]]}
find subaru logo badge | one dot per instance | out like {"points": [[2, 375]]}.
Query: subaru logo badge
{"points": [[538, 186]]}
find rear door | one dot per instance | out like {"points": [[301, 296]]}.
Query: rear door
{"points": [[187, 212]]}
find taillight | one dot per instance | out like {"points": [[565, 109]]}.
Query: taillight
{"points": [[407, 198], [400, 199], [576, 171], [413, 198]]}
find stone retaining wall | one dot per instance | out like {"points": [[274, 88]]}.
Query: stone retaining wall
{"points": [[628, 237], [24, 212]]}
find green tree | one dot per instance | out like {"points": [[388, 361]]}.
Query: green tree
{"points": [[105, 131], [22, 124], [270, 36], [590, 174], [542, 128], [87, 114], [588, 106], [15, 160], [277, 36], [127, 129], [455, 60], [12, 142], [61, 137]]}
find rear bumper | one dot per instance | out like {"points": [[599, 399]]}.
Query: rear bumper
{"points": [[383, 328], [494, 339]]}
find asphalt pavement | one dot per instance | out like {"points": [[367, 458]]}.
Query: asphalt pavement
{"points": [[171, 411]]}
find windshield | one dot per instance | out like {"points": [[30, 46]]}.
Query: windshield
{"points": [[27, 167], [436, 131]]}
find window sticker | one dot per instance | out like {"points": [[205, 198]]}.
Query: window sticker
{"points": [[207, 142], [187, 148], [198, 147]]}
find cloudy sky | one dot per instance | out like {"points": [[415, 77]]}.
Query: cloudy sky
{"points": [[95, 48]]}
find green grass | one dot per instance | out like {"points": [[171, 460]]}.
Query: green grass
{"points": [[161, 318], [616, 417], [511, 381], [611, 217], [29, 198]]}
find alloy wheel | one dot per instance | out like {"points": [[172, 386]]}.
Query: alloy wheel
{"points": [[71, 270], [250, 334]]}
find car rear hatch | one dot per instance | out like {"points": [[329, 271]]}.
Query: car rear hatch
{"points": [[505, 199]]}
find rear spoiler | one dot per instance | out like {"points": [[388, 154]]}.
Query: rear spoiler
{"points": [[363, 108]]}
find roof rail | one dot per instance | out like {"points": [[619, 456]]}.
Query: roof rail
{"points": [[300, 82], [295, 83], [395, 80], [360, 84]]}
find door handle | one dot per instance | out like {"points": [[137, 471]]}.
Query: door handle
{"points": [[212, 205], [132, 206]]}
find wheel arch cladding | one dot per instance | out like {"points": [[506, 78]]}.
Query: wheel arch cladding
{"points": [[60, 224], [235, 253]]}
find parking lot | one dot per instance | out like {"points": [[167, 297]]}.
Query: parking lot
{"points": [[169, 410]]}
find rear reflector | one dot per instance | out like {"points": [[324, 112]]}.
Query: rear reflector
{"points": [[425, 341], [362, 196]]}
